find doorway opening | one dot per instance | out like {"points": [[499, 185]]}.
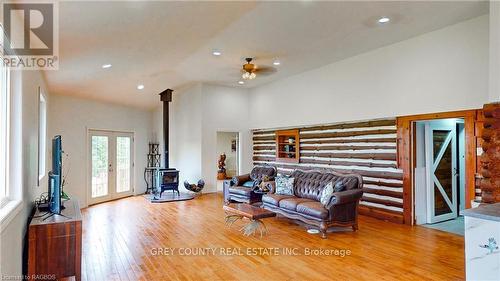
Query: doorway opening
{"points": [[228, 145], [439, 171], [111, 162]]}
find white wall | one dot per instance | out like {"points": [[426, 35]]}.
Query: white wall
{"points": [[225, 109], [24, 167], [72, 117], [439, 71], [197, 113], [185, 133], [494, 51]]}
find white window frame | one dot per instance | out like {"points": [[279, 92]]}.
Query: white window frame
{"points": [[10, 199], [4, 133], [42, 135]]}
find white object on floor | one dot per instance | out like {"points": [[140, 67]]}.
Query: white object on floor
{"points": [[312, 231]]}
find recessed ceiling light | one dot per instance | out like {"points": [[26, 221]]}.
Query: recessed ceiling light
{"points": [[106, 66], [276, 62], [140, 87], [216, 53], [384, 20], [241, 82]]}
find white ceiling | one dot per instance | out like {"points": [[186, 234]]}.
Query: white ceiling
{"points": [[169, 44]]}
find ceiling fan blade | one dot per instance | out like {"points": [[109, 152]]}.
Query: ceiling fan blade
{"points": [[265, 70]]}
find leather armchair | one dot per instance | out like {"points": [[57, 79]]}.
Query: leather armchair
{"points": [[236, 192], [240, 180]]}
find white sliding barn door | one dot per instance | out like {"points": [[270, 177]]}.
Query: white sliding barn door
{"points": [[441, 153]]}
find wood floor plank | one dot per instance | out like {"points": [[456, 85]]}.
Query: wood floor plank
{"points": [[119, 238]]}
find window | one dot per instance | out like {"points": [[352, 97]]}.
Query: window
{"points": [[4, 131], [42, 135]]}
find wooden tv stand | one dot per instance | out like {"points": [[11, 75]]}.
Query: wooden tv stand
{"points": [[55, 244]]}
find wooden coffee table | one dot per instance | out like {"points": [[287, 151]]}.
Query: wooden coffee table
{"points": [[239, 211]]}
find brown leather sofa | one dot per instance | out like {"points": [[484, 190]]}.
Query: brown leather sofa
{"points": [[245, 194], [305, 205]]}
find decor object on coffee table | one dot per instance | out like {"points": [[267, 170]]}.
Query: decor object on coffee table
{"points": [[239, 211], [221, 173], [240, 188], [196, 188]]}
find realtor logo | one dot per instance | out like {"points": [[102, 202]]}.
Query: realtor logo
{"points": [[29, 35]]}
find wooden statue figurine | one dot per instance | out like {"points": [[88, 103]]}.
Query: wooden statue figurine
{"points": [[221, 173]]}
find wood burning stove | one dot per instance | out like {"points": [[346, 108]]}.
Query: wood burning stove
{"points": [[166, 178]]}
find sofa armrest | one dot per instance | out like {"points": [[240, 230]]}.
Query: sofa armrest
{"points": [[344, 197], [239, 180]]}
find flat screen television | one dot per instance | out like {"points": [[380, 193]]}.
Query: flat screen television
{"points": [[55, 177]]}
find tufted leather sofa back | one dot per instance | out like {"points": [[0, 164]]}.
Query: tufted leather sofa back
{"points": [[259, 171], [310, 184]]}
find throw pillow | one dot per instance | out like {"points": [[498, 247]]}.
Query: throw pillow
{"points": [[339, 186], [326, 194], [284, 185]]}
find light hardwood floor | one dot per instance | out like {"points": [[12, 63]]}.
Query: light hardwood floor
{"points": [[119, 239]]}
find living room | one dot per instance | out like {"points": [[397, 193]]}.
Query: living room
{"points": [[163, 140]]}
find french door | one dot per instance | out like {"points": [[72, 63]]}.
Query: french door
{"points": [[441, 149], [110, 165]]}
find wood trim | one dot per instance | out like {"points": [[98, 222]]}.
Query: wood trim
{"points": [[382, 202], [373, 156], [374, 140], [383, 192], [385, 215], [373, 123], [295, 134], [405, 154], [348, 134]]}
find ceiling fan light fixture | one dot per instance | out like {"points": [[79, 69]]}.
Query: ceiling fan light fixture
{"points": [[241, 82], [248, 75], [276, 62]]}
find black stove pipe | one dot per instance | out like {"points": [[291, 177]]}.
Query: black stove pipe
{"points": [[166, 97]]}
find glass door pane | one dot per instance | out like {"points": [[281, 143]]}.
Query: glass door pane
{"points": [[443, 172], [100, 163], [123, 167], [442, 163]]}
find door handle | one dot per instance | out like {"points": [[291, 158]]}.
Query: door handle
{"points": [[110, 169], [455, 172]]}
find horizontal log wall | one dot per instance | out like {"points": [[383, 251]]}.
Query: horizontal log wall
{"points": [[367, 148]]}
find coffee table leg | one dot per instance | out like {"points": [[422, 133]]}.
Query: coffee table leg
{"points": [[263, 227], [253, 226], [230, 219], [248, 229]]}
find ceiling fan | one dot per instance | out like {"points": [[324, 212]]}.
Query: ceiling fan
{"points": [[250, 70]]}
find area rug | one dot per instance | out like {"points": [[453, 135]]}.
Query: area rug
{"points": [[169, 197]]}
